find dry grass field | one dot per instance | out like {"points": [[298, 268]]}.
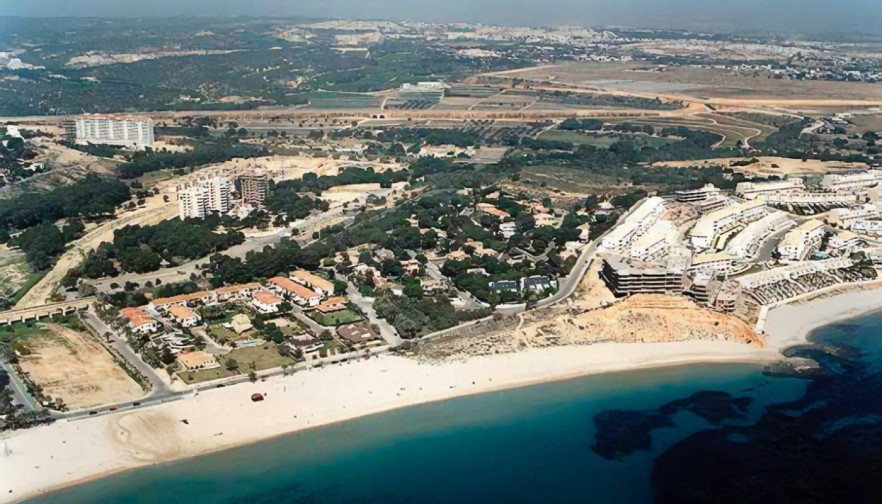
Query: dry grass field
{"points": [[75, 367], [768, 166], [709, 84]]}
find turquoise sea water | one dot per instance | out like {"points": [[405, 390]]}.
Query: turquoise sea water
{"points": [[535, 444]]}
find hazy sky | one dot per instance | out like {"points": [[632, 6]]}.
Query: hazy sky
{"points": [[843, 16]]}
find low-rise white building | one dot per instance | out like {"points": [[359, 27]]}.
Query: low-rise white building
{"points": [[851, 181], [843, 243], [634, 225], [654, 241], [747, 243], [752, 190], [801, 241], [266, 302], [709, 227]]}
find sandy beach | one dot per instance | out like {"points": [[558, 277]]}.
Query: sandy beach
{"points": [[69, 452]]}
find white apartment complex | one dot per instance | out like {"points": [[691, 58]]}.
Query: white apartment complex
{"points": [[801, 241], [129, 132], [709, 191], [747, 243], [708, 229], [846, 217], [851, 181], [210, 195], [844, 242], [644, 216], [751, 190], [654, 241]]}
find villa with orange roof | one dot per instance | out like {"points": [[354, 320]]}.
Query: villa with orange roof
{"points": [[139, 321], [266, 302], [239, 291], [333, 304], [298, 293], [321, 285], [203, 297], [184, 316]]}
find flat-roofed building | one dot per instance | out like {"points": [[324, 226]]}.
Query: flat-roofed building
{"points": [[132, 132], [867, 227], [192, 202], [747, 243], [254, 189], [635, 224], [709, 227], [846, 217], [799, 242], [625, 280], [654, 241], [851, 181], [752, 190], [843, 243], [709, 191], [712, 262]]}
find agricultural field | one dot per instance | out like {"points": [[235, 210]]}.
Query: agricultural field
{"points": [[505, 101], [492, 132], [72, 366], [339, 100]]}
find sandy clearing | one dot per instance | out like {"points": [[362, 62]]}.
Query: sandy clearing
{"points": [[75, 367], [785, 166]]}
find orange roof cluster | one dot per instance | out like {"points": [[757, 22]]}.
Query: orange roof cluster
{"points": [[232, 289], [314, 280], [182, 298], [266, 298], [332, 304], [181, 312], [293, 287], [137, 316]]}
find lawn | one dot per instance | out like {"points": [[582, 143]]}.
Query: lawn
{"points": [[337, 318], [262, 357], [222, 334]]}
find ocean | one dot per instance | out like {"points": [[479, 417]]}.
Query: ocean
{"points": [[678, 434]]}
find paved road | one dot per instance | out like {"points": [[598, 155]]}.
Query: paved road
{"points": [[119, 344], [367, 306], [19, 390], [178, 395]]}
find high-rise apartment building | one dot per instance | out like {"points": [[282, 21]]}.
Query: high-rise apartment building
{"points": [[254, 189], [193, 202], [218, 194], [210, 195], [130, 132]]}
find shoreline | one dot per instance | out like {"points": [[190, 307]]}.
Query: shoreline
{"points": [[94, 448]]}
